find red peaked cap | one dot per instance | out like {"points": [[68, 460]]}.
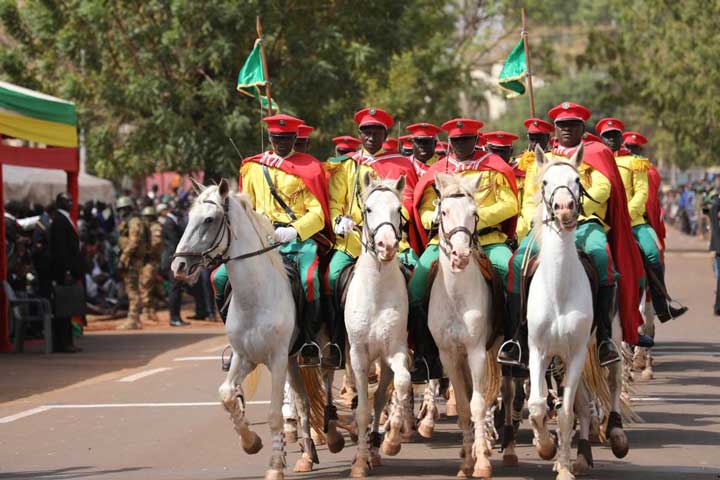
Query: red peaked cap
{"points": [[589, 137], [460, 127], [390, 144], [500, 138], [441, 147], [282, 123], [347, 142], [538, 125], [634, 138], [608, 125], [373, 116], [304, 131], [418, 130], [481, 140], [406, 141], [569, 111]]}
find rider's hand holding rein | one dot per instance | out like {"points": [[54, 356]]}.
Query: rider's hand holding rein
{"points": [[343, 225], [285, 234]]}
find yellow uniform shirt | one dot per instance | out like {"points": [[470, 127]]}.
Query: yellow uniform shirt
{"points": [[633, 171], [494, 205], [310, 219]]}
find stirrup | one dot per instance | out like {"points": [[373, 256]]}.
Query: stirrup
{"points": [[331, 345], [427, 370], [511, 363], [225, 364], [619, 355], [301, 363]]}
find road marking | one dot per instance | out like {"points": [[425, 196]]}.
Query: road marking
{"points": [[668, 353], [46, 408], [137, 376], [675, 399], [216, 349], [196, 359]]}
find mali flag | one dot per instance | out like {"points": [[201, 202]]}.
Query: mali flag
{"points": [[514, 71]]}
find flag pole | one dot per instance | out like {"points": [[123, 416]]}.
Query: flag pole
{"points": [[524, 34], [258, 27]]}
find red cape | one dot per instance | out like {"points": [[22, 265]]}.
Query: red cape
{"points": [[518, 172], [310, 170], [628, 261], [490, 162], [391, 166], [653, 207]]}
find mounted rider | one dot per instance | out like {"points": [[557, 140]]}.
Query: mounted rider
{"points": [[288, 187], [604, 209], [497, 210], [634, 172], [423, 137], [302, 141], [406, 146], [345, 145]]}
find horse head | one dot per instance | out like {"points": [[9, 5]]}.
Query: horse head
{"points": [[382, 216], [560, 189], [457, 217], [207, 235]]}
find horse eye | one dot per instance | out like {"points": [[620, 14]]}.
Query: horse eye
{"points": [[577, 180], [544, 182], [209, 220], [368, 210], [444, 213], [399, 210]]}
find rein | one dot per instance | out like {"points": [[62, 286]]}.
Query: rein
{"points": [[552, 219], [447, 236]]}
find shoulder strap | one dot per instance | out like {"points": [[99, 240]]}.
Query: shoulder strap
{"points": [[275, 194]]}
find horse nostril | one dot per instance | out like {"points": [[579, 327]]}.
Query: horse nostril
{"points": [[571, 205], [181, 266], [381, 244]]}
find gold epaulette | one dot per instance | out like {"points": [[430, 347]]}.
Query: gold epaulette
{"points": [[525, 160], [640, 164]]}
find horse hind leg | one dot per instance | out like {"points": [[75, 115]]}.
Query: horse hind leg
{"points": [[232, 398], [481, 446], [459, 385], [335, 440], [429, 413], [402, 393], [584, 462], [278, 374], [510, 458], [614, 430], [308, 457]]}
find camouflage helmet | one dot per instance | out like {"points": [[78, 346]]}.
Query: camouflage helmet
{"points": [[149, 211], [124, 202]]}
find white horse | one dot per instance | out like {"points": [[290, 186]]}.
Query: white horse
{"points": [[560, 305], [261, 318], [459, 318], [376, 313]]}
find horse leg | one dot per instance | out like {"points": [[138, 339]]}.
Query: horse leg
{"points": [[648, 329], [380, 403], [278, 373], [450, 404], [566, 415], [231, 396], [335, 440], [307, 446], [519, 402], [537, 404], [584, 462], [614, 430], [289, 415], [507, 390], [403, 387], [429, 413], [457, 380], [481, 446], [359, 359]]}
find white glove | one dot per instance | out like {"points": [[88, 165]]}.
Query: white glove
{"points": [[344, 226], [285, 234]]}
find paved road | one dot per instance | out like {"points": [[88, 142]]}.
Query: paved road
{"points": [[143, 406]]}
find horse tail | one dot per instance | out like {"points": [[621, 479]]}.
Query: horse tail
{"points": [[313, 381], [627, 408], [250, 384], [493, 375]]}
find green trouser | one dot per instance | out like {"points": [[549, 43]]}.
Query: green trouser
{"points": [[649, 243], [499, 255], [589, 237], [304, 255], [650, 248]]}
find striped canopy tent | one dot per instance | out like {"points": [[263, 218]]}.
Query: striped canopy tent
{"points": [[51, 124]]}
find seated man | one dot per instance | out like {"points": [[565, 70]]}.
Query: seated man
{"points": [[604, 208], [497, 212], [289, 189]]}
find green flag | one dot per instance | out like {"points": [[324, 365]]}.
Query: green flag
{"points": [[252, 75], [514, 71]]}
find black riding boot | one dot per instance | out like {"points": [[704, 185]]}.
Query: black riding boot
{"points": [[663, 309], [607, 352], [309, 354], [511, 352], [426, 364], [333, 353]]}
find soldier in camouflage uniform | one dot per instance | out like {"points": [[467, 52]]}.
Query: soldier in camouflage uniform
{"points": [[133, 241], [151, 267]]}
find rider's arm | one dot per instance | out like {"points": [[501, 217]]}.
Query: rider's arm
{"points": [[337, 189], [313, 220], [246, 183], [636, 205], [427, 207], [599, 191], [503, 206], [529, 204]]}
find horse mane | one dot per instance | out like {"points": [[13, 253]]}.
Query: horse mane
{"points": [[454, 186]]}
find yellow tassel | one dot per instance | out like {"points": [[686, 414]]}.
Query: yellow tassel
{"points": [[640, 164], [526, 159]]}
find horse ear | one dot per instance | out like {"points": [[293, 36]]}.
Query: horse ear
{"points": [[400, 184], [367, 180], [471, 183], [442, 180], [197, 186], [540, 157], [223, 188], [577, 157]]}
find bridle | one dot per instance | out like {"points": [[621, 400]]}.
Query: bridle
{"points": [[367, 235], [548, 202], [447, 236], [217, 252]]}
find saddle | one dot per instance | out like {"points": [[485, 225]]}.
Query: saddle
{"points": [[529, 273], [497, 293]]}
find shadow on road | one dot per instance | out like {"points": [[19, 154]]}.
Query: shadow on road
{"points": [[68, 472]]}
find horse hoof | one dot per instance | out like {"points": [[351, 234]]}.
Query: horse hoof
{"points": [[253, 446], [426, 429], [482, 472], [581, 467], [391, 449], [375, 459], [291, 436], [619, 443], [274, 475], [335, 441], [547, 450], [465, 472], [450, 410], [647, 375], [359, 469], [510, 460], [564, 474], [303, 465]]}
